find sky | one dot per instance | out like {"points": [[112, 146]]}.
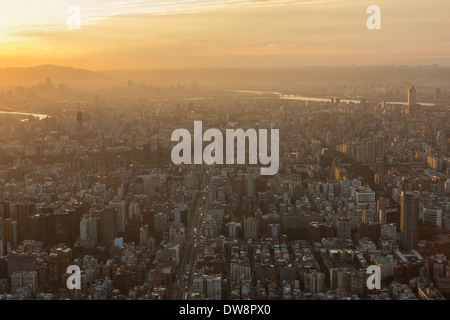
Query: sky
{"points": [[147, 34]]}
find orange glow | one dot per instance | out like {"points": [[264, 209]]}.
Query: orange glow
{"points": [[228, 35]]}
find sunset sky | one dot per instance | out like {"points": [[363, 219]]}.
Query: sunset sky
{"points": [[205, 33]]}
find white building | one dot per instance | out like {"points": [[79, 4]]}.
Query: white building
{"points": [[213, 287], [431, 215], [388, 231]]}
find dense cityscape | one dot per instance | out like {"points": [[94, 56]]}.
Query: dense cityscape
{"points": [[87, 180]]}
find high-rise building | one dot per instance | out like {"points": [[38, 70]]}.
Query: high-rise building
{"points": [[293, 221], [121, 211], [143, 235], [160, 222], [232, 230], [249, 185], [21, 261], [409, 220], [57, 264], [177, 218], [108, 224], [11, 231], [363, 104], [66, 226], [16, 281], [344, 229], [388, 231], [358, 282], [50, 223], [361, 154], [213, 287], [437, 94], [274, 230], [37, 228], [314, 281], [88, 228], [181, 191], [197, 284], [340, 278], [147, 153], [411, 99], [380, 166], [2, 237], [160, 150], [318, 231], [379, 147], [79, 118], [5, 209], [84, 230], [370, 148], [4, 216], [432, 216], [250, 228], [148, 218], [30, 279], [441, 138], [24, 210]]}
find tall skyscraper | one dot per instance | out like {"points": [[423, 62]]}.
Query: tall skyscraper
{"points": [[363, 104], [148, 219], [65, 229], [108, 224], [160, 222], [370, 146], [4, 209], [79, 118], [160, 151], [409, 220], [121, 210], [88, 228], [24, 210], [411, 99], [147, 155], [380, 166], [2, 237], [437, 94], [181, 191], [361, 154], [37, 228], [379, 147], [249, 184], [4, 214], [11, 231], [250, 228], [177, 218], [314, 281], [143, 235]]}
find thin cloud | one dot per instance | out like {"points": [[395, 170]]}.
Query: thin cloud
{"points": [[99, 10], [259, 33]]}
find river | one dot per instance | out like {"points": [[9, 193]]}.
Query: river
{"points": [[303, 98], [37, 115]]}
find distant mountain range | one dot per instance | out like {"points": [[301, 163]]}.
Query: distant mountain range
{"points": [[57, 74], [79, 77]]}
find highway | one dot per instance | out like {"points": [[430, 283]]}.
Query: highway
{"points": [[183, 277]]}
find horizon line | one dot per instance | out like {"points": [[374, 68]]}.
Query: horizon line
{"points": [[435, 65]]}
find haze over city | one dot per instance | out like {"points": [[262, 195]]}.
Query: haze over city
{"points": [[135, 140]]}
